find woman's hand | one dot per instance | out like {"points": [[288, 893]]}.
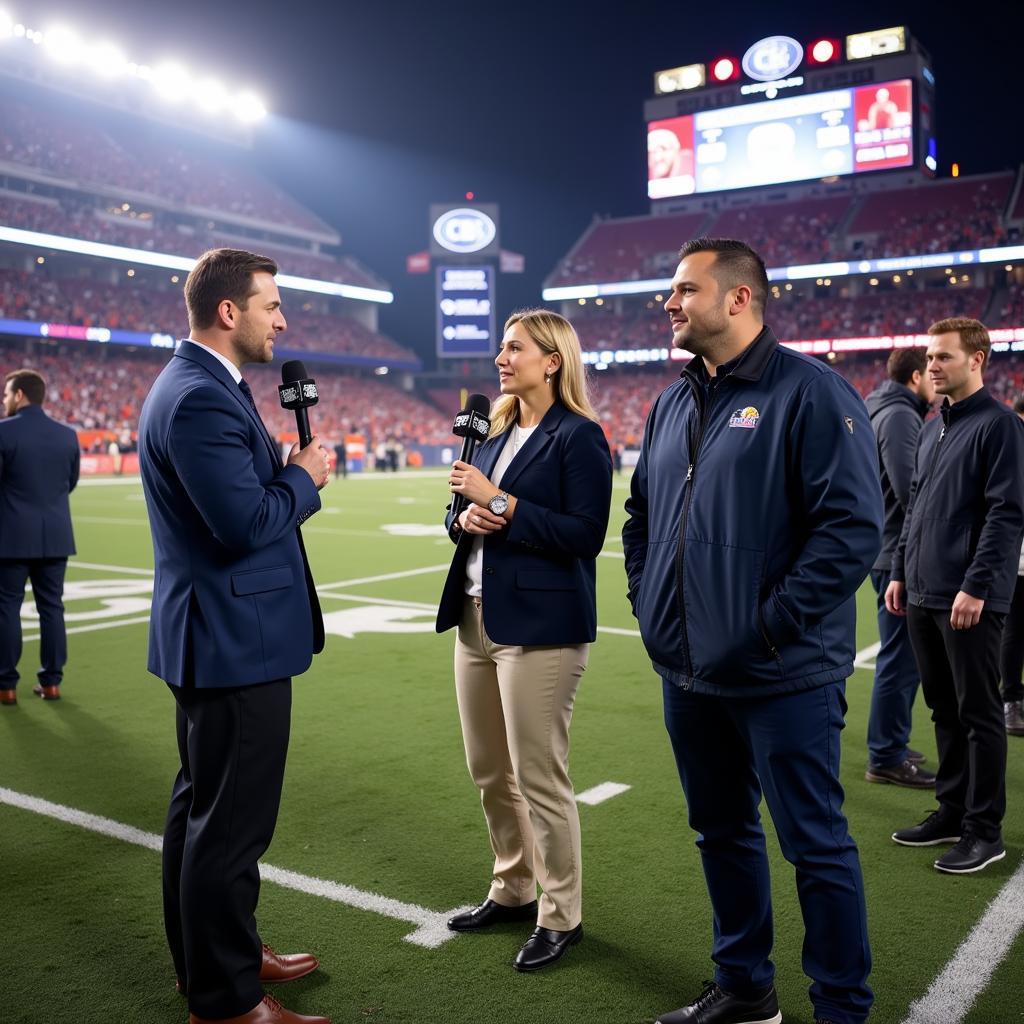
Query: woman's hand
{"points": [[468, 481], [479, 520]]}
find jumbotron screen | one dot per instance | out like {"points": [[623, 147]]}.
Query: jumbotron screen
{"points": [[792, 138]]}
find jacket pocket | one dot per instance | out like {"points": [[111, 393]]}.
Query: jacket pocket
{"points": [[545, 579], [722, 596], [943, 555], [259, 581]]}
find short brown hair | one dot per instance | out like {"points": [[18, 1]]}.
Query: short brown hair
{"points": [[904, 361], [30, 383], [973, 335], [735, 264], [221, 274]]}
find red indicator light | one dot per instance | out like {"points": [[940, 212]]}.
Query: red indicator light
{"points": [[471, 195], [724, 69], [822, 51]]}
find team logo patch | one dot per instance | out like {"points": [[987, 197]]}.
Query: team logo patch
{"points": [[747, 418], [848, 420]]}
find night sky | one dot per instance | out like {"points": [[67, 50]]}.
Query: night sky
{"points": [[382, 107]]}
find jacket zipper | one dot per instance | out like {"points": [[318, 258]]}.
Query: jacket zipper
{"points": [[694, 454], [931, 471]]}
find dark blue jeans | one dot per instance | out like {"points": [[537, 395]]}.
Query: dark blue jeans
{"points": [[731, 750], [896, 682], [47, 576]]}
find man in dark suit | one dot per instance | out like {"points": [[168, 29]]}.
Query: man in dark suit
{"points": [[235, 616], [39, 461]]}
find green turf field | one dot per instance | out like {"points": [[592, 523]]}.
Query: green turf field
{"points": [[377, 798]]}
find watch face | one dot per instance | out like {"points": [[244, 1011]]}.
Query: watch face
{"points": [[498, 504]]}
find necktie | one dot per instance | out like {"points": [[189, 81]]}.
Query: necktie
{"points": [[247, 391]]}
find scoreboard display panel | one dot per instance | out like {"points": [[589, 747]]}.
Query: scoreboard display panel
{"points": [[792, 138], [789, 112]]}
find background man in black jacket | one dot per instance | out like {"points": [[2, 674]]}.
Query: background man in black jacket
{"points": [[953, 575], [897, 409]]}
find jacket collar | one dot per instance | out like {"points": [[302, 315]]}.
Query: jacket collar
{"points": [[749, 365], [187, 350], [958, 410], [535, 444]]}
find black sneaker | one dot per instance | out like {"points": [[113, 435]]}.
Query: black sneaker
{"points": [[1013, 716], [969, 855], [904, 774], [937, 828], [716, 1006]]}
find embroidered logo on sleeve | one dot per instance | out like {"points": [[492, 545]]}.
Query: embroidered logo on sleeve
{"points": [[746, 418]]}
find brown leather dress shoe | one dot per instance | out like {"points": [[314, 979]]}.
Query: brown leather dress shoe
{"points": [[267, 1011], [8, 696], [47, 692], [276, 967]]}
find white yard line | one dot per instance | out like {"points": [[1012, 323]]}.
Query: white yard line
{"points": [[431, 929], [109, 481], [866, 657], [102, 567], [94, 627], [598, 794], [968, 973], [384, 577]]}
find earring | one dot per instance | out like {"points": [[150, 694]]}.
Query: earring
{"points": [[547, 378]]}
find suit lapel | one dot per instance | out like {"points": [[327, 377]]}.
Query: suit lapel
{"points": [[537, 442], [186, 350]]}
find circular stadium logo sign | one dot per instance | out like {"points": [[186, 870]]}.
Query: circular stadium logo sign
{"points": [[772, 58], [464, 230]]}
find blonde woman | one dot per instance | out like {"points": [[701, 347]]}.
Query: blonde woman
{"points": [[521, 590]]}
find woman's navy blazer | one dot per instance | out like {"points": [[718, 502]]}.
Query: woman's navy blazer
{"points": [[539, 584]]}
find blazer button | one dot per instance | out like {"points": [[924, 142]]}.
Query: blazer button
{"points": [[489, 571]]}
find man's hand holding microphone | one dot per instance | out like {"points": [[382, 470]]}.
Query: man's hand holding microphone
{"points": [[298, 392]]}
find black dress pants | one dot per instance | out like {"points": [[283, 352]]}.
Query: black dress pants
{"points": [[232, 743], [47, 576], [960, 682], [1011, 654]]}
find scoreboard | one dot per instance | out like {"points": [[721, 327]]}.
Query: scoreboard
{"points": [[791, 111]]}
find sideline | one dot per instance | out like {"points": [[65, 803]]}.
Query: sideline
{"points": [[966, 976], [431, 926]]}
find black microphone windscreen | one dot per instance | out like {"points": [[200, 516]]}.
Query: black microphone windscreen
{"points": [[293, 370], [480, 404]]}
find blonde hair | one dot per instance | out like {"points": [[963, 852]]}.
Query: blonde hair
{"points": [[551, 333]]}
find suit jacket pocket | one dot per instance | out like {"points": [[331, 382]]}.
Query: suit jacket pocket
{"points": [[545, 579], [259, 581]]}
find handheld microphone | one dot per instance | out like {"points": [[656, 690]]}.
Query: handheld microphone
{"points": [[298, 392], [473, 425]]}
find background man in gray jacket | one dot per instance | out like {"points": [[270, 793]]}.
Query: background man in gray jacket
{"points": [[897, 409]]}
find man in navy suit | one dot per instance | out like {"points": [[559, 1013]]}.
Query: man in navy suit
{"points": [[235, 616], [38, 470]]}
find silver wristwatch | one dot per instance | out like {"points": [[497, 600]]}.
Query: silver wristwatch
{"points": [[498, 504]]}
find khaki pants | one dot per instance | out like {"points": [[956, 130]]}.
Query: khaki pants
{"points": [[515, 704]]}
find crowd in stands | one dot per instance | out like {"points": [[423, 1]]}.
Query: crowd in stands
{"points": [[947, 216], [29, 295], [86, 153], [105, 391], [80, 217]]}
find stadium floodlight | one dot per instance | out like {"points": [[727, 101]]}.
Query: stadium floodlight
{"points": [[106, 59], [211, 96], [171, 81], [248, 107], [63, 45], [6, 25]]}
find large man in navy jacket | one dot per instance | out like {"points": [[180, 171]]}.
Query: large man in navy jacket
{"points": [[755, 513], [234, 617], [39, 461]]}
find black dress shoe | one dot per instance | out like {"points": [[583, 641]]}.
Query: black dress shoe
{"points": [[489, 913], [545, 946], [716, 1006]]}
